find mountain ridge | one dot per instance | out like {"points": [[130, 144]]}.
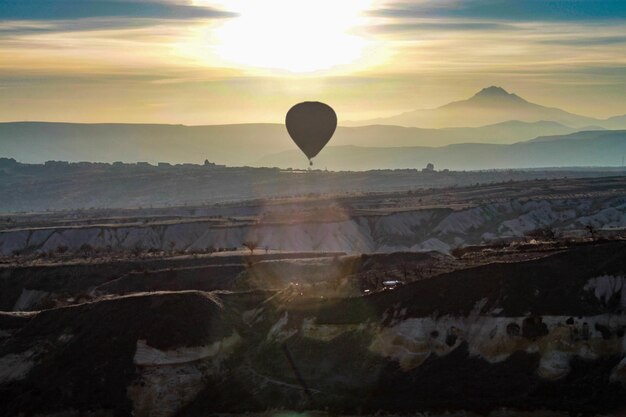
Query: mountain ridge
{"points": [[234, 144], [491, 105], [580, 149]]}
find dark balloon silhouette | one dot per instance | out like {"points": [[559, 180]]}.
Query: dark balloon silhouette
{"points": [[311, 125]]}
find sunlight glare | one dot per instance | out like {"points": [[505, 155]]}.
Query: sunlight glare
{"points": [[293, 35]]}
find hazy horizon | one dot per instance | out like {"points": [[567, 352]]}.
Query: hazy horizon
{"points": [[374, 121]]}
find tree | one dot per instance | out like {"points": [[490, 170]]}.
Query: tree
{"points": [[546, 233], [405, 271], [593, 232], [251, 245], [86, 249], [137, 250]]}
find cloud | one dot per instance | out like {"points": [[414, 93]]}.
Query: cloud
{"points": [[430, 25], [111, 60], [509, 10], [18, 28], [81, 9], [588, 41]]}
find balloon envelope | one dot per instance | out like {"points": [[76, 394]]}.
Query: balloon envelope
{"points": [[311, 124]]}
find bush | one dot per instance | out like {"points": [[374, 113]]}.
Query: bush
{"points": [[545, 233], [251, 245]]}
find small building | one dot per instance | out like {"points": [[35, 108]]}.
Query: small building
{"points": [[429, 168]]}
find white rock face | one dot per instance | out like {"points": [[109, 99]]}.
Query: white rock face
{"points": [[28, 299], [412, 341], [418, 230], [149, 356], [465, 221], [163, 391], [279, 331], [606, 287], [168, 380], [494, 339], [14, 367], [400, 224]]}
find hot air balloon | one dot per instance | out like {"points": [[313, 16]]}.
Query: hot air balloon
{"points": [[311, 124]]}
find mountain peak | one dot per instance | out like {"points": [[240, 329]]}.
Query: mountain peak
{"points": [[489, 106], [495, 95], [493, 91]]}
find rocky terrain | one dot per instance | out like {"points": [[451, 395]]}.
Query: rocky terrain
{"points": [[546, 333], [479, 300], [423, 221], [57, 185]]}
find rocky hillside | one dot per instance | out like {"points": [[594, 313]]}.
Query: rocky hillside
{"points": [[542, 334], [439, 229], [581, 149]]}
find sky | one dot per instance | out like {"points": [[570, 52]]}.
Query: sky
{"points": [[237, 61]]}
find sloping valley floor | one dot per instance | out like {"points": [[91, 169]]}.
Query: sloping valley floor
{"points": [[425, 220]]}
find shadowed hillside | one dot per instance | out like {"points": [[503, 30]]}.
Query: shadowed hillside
{"points": [[595, 148], [543, 334], [226, 144]]}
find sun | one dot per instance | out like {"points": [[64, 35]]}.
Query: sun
{"points": [[298, 36]]}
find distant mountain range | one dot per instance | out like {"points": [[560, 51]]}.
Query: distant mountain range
{"points": [[593, 148], [492, 116], [269, 145], [489, 106], [35, 142], [226, 144]]}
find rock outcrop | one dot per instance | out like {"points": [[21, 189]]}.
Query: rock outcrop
{"points": [[418, 230]]}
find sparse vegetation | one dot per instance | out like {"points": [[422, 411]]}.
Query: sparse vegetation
{"points": [[592, 231], [547, 233], [251, 245]]}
